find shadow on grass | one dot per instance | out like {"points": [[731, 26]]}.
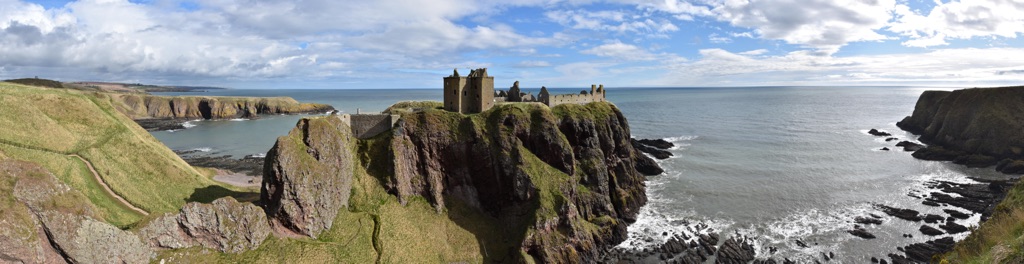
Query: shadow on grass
{"points": [[213, 192]]}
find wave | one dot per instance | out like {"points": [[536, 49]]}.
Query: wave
{"points": [[239, 119], [202, 149], [259, 155], [188, 124], [680, 138]]}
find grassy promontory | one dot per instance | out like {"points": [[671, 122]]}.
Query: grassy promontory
{"points": [[48, 126]]}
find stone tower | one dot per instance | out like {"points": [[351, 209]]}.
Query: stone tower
{"points": [[470, 94]]}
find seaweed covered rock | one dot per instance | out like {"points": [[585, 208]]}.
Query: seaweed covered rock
{"points": [[307, 176]]}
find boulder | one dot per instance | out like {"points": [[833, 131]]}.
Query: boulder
{"points": [[307, 175], [647, 166], [860, 232], [909, 146], [224, 225], [657, 153]]}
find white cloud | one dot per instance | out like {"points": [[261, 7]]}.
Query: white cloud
{"points": [[532, 64], [825, 25], [715, 38], [620, 51], [968, 65], [960, 20], [619, 22]]}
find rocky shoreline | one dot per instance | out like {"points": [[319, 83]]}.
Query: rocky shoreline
{"points": [[250, 165]]}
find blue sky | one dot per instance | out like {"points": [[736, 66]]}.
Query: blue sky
{"points": [[572, 43]]}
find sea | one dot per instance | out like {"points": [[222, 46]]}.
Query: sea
{"points": [[774, 164]]}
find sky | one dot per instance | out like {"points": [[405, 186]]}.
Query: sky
{"points": [[554, 43]]}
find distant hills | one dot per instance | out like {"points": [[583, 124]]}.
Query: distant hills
{"points": [[111, 86]]}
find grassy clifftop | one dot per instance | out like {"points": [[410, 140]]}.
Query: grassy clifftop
{"points": [[51, 126]]}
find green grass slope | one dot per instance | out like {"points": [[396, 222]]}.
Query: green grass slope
{"points": [[998, 240], [46, 126]]}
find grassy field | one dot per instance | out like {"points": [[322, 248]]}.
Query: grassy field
{"points": [[45, 125]]}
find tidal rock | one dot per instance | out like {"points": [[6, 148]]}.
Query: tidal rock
{"points": [[891, 139], [1010, 166], [909, 146], [923, 252], [866, 220], [975, 160], [957, 214], [307, 176], [884, 149], [931, 231], [930, 218], [953, 228], [647, 166], [657, 153], [937, 153], [860, 232], [657, 143], [224, 225], [875, 132], [905, 214], [735, 250]]}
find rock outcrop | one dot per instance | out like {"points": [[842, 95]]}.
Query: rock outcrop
{"points": [[575, 161], [45, 221], [307, 175], [224, 225], [974, 127]]}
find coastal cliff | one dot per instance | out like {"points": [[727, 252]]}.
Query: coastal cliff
{"points": [[523, 182], [978, 128], [145, 107], [975, 127]]}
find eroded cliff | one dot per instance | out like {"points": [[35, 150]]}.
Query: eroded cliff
{"points": [[138, 106]]}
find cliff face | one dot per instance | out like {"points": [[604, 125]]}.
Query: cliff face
{"points": [[569, 176], [208, 107], [970, 126], [560, 184]]}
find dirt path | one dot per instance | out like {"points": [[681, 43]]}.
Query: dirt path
{"points": [[107, 188]]}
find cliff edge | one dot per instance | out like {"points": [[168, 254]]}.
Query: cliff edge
{"points": [[975, 127]]}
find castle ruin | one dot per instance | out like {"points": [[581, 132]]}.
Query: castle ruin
{"points": [[475, 93], [470, 94]]}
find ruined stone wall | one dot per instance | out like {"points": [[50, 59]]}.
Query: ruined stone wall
{"points": [[368, 125]]}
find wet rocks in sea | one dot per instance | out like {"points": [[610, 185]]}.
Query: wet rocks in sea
{"points": [[905, 214], [647, 166], [654, 151], [953, 228], [867, 220], [975, 197], [657, 143], [909, 146], [923, 252], [160, 124], [957, 214], [875, 132], [1010, 166], [860, 232], [931, 219], [249, 165], [735, 250], [931, 231]]}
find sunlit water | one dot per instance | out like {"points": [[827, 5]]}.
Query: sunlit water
{"points": [[775, 163]]}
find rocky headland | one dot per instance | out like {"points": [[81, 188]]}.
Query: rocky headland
{"points": [[155, 112], [562, 182], [978, 127]]}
